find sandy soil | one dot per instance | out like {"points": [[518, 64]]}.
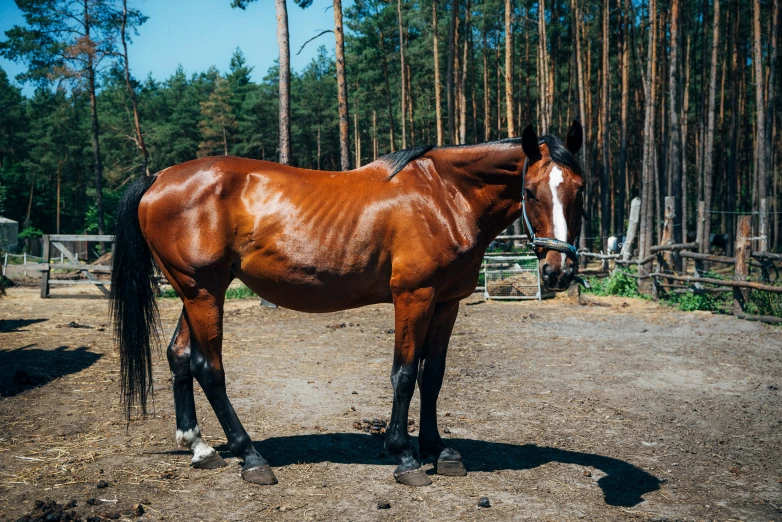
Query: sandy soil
{"points": [[622, 410]]}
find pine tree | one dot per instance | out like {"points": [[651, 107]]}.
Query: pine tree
{"points": [[218, 122]]}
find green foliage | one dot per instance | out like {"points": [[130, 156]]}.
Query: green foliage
{"points": [[110, 200], [30, 233], [690, 302], [618, 283], [764, 303]]}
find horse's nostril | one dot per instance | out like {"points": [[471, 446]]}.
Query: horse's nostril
{"points": [[546, 268]]}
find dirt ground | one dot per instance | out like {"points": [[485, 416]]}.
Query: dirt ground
{"points": [[619, 410]]}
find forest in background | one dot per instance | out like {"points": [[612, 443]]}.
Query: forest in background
{"points": [[677, 98]]}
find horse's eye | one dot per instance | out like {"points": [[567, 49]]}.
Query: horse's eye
{"points": [[530, 194]]}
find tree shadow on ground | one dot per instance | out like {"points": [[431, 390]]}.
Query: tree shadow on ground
{"points": [[16, 325], [623, 485], [26, 367]]}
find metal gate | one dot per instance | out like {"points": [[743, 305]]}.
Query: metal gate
{"points": [[512, 277]]}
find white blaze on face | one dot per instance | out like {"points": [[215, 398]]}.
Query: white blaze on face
{"points": [[558, 213]]}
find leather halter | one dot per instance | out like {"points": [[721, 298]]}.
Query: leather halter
{"points": [[548, 243]]}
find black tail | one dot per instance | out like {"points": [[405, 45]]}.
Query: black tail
{"points": [[133, 307]]}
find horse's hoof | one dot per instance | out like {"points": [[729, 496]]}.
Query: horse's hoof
{"points": [[450, 468], [260, 475], [414, 477], [212, 461]]}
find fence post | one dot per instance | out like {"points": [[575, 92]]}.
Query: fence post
{"points": [[5, 264], [632, 228], [24, 263], [45, 273], [667, 238], [763, 227], [699, 266], [743, 250]]}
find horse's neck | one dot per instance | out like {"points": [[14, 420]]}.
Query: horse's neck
{"points": [[490, 178]]}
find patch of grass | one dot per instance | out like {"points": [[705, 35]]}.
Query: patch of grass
{"points": [[618, 283], [691, 302], [239, 292]]}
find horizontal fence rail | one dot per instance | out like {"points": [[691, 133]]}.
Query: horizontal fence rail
{"points": [[670, 273]]}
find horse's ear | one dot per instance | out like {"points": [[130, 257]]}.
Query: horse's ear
{"points": [[575, 137], [529, 143]]}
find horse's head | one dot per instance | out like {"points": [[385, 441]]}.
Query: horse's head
{"points": [[553, 203]]}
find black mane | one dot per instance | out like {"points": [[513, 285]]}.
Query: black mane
{"points": [[559, 154], [399, 160]]}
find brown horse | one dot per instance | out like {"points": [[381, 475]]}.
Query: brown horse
{"points": [[410, 229]]}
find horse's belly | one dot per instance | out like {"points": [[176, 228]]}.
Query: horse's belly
{"points": [[307, 290]]}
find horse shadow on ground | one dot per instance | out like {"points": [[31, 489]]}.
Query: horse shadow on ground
{"points": [[623, 485], [17, 325], [27, 367]]}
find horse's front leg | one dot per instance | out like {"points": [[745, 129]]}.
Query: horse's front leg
{"points": [[413, 311], [449, 461]]}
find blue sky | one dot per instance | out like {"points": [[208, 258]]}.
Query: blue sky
{"points": [[200, 33]]}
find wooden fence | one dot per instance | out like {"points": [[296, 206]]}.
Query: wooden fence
{"points": [[673, 259], [89, 271]]}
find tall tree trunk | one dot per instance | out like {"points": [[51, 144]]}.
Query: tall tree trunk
{"points": [[463, 82], [357, 136], [30, 202], [472, 90], [734, 125], [457, 93], [374, 135], [649, 169], [342, 89], [509, 67], [674, 136], [451, 72], [543, 74], [391, 138], [583, 241], [708, 155], [132, 93], [403, 72], [498, 89], [684, 118], [605, 178], [437, 95], [760, 105], [771, 97], [97, 164], [486, 93], [410, 108], [285, 83], [623, 177]]}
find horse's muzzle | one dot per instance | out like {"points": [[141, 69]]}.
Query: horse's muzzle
{"points": [[556, 279]]}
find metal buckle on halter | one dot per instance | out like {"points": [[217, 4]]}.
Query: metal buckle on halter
{"points": [[548, 243]]}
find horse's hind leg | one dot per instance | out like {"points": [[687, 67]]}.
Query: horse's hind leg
{"points": [[205, 319], [449, 461], [188, 434]]}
